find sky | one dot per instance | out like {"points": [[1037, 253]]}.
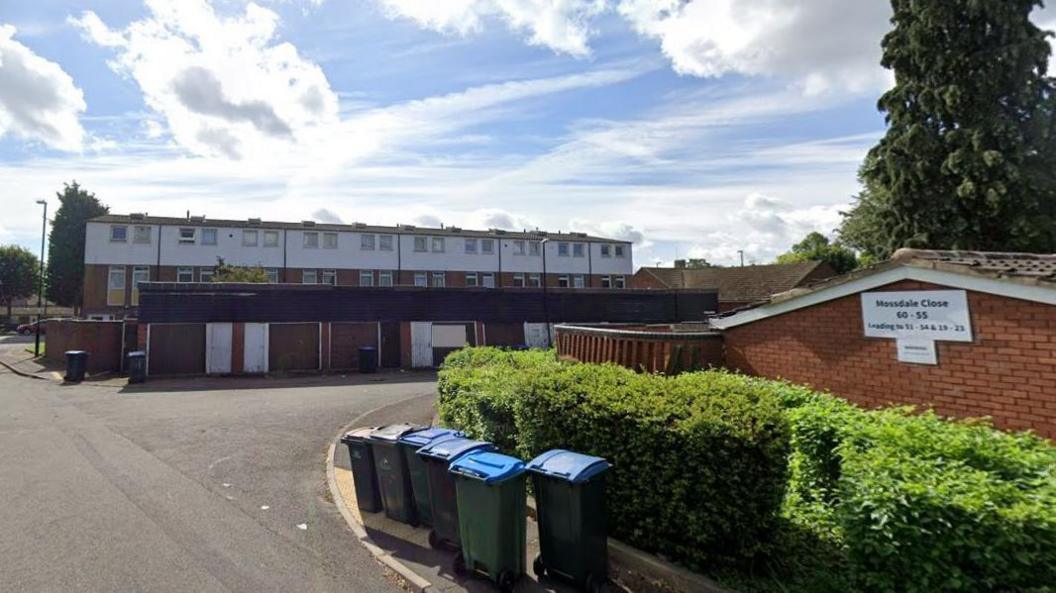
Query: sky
{"points": [[695, 128]]}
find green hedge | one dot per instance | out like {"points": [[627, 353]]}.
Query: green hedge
{"points": [[719, 470]]}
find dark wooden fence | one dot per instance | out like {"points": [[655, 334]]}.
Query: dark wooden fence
{"points": [[651, 349]]}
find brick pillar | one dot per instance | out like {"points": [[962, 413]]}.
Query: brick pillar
{"points": [[238, 348]]}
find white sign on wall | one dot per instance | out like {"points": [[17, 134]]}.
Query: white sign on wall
{"points": [[917, 351], [936, 315]]}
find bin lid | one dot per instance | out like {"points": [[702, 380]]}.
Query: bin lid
{"points": [[487, 466], [568, 465], [358, 435], [452, 448], [137, 354], [367, 348], [75, 352], [422, 438], [392, 432]]}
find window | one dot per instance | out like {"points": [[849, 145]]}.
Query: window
{"points": [[562, 281], [139, 274], [562, 249], [271, 238], [488, 280], [518, 248], [577, 249], [606, 281], [619, 282], [273, 275], [421, 279], [534, 281], [329, 240], [385, 242], [186, 235], [115, 286], [208, 237], [518, 280], [185, 274], [249, 238], [620, 250], [578, 281], [205, 275], [366, 277], [439, 279], [310, 277], [311, 241], [330, 277], [487, 245], [535, 248], [420, 244], [141, 234], [471, 279], [606, 250], [118, 234], [471, 245], [385, 278], [366, 242], [438, 244]]}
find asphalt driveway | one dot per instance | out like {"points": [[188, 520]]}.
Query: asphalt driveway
{"points": [[185, 486]]}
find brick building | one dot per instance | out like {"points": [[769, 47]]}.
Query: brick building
{"points": [[737, 286], [984, 344]]}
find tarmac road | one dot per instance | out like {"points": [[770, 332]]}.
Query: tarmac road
{"points": [[200, 485]]}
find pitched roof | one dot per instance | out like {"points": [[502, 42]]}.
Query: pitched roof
{"points": [[741, 284]]}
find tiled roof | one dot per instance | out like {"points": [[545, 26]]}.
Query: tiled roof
{"points": [[740, 284], [355, 227], [1030, 265]]}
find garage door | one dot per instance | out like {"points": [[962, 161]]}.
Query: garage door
{"points": [[448, 337], [293, 347], [176, 349], [504, 334], [346, 340]]}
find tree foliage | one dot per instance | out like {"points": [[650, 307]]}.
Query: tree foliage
{"points": [[224, 272], [697, 262], [66, 244], [817, 247], [19, 275], [968, 158]]}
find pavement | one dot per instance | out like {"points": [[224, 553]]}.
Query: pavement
{"points": [[16, 354], [197, 486]]}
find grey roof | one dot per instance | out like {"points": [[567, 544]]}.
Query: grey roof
{"points": [[741, 284], [354, 227]]}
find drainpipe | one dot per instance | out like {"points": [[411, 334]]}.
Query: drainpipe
{"points": [[546, 299], [285, 232]]}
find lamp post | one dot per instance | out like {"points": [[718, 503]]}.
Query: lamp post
{"points": [[40, 287], [546, 300]]}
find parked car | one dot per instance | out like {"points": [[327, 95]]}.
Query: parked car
{"points": [[27, 329]]}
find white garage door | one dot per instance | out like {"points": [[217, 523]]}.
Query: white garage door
{"points": [[422, 344], [218, 348]]}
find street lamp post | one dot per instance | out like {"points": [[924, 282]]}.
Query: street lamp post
{"points": [[546, 299], [40, 287]]}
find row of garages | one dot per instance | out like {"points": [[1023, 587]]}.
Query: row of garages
{"points": [[226, 348]]}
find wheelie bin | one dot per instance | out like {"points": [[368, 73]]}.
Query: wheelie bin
{"points": [[570, 507], [76, 365], [361, 457], [394, 481], [437, 457], [491, 518], [137, 366], [410, 443], [368, 359]]}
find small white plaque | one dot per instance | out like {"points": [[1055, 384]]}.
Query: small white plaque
{"points": [[917, 351], [917, 315]]}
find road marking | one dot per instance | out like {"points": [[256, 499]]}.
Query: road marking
{"points": [[302, 526]]}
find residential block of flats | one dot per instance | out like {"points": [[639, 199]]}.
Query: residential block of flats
{"points": [[123, 250]]}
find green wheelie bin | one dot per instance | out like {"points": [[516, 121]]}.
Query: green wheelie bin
{"points": [[365, 477], [410, 443], [491, 516], [394, 481], [437, 457], [570, 508]]}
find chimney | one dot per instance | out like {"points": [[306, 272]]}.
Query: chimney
{"points": [[680, 264]]}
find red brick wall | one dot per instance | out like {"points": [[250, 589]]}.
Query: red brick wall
{"points": [[1008, 372], [101, 339]]}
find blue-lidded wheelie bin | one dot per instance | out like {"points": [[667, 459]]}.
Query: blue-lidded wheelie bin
{"points": [[410, 443], [437, 457], [394, 481], [491, 516], [361, 459], [570, 508]]}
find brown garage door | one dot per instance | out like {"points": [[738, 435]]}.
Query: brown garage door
{"points": [[177, 349], [504, 334], [345, 341], [293, 347]]}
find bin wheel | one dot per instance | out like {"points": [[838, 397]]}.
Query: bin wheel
{"points": [[507, 581], [460, 564], [434, 540], [537, 566], [595, 584]]}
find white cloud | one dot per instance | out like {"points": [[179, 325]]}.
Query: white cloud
{"points": [[224, 85], [561, 25], [38, 100]]}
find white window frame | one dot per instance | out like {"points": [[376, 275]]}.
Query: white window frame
{"points": [[306, 274], [563, 281], [367, 275], [204, 273], [520, 247], [187, 235], [563, 249], [606, 250], [487, 280], [535, 248], [207, 233], [273, 275], [271, 238], [310, 239], [367, 242], [471, 280], [606, 281], [384, 242], [579, 281], [138, 272], [250, 238], [435, 276], [438, 241], [183, 270], [534, 281], [487, 246], [519, 281], [137, 234], [111, 286], [421, 244], [329, 277], [385, 278], [329, 240], [114, 234], [619, 281], [620, 250], [421, 279], [579, 250], [471, 246]]}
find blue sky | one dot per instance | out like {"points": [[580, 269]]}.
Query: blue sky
{"points": [[692, 127]]}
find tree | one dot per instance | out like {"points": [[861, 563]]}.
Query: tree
{"points": [[19, 275], [697, 262], [969, 157], [224, 272], [816, 247], [66, 244]]}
